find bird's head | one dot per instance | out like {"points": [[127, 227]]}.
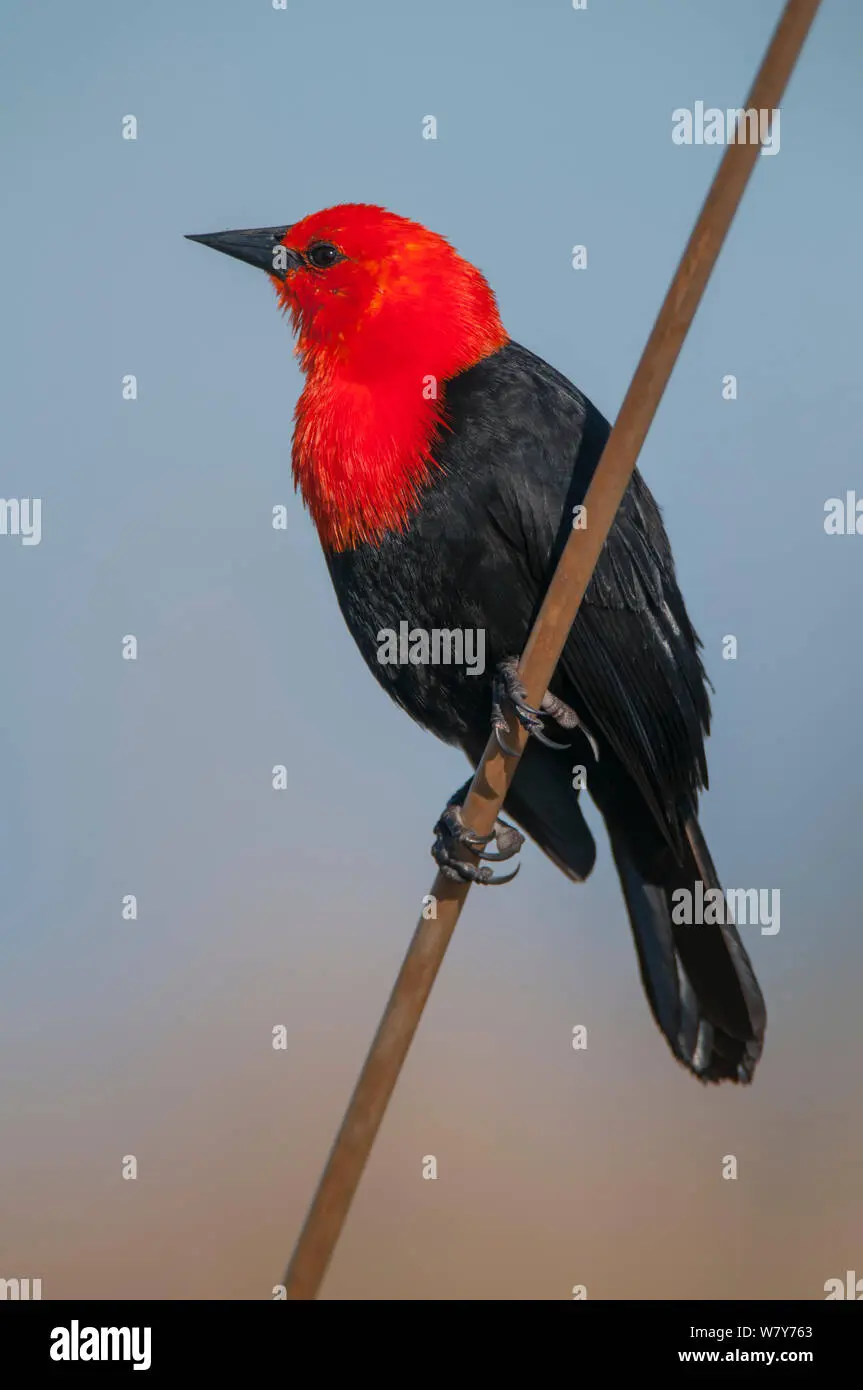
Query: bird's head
{"points": [[364, 287], [385, 312]]}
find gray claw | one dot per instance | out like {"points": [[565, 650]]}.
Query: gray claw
{"points": [[451, 831], [466, 873], [504, 747], [508, 688], [549, 742], [567, 719]]}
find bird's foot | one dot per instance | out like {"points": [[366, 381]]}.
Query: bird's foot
{"points": [[452, 832], [508, 688], [567, 718]]}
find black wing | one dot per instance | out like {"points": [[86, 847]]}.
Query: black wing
{"points": [[631, 667]]}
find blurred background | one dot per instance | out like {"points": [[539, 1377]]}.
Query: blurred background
{"points": [[256, 908]]}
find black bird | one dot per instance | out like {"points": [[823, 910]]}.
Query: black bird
{"points": [[442, 463]]}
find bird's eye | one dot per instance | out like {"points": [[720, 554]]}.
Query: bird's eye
{"points": [[323, 254]]}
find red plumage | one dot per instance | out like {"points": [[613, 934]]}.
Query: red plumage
{"points": [[378, 334]]}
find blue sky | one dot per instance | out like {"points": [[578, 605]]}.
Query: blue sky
{"points": [[153, 777]]}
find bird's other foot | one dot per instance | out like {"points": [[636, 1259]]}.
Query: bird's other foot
{"points": [[452, 833], [507, 688]]}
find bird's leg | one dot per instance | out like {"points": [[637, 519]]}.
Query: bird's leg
{"points": [[451, 832], [507, 687]]}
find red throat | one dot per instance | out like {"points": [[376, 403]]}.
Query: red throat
{"points": [[378, 336]]}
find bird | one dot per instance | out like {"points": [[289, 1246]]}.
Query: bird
{"points": [[442, 464]]}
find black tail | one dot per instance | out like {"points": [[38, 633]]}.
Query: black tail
{"points": [[698, 978]]}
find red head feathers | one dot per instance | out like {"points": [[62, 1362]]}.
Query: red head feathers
{"points": [[385, 312]]}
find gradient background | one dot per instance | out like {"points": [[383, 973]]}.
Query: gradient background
{"points": [[259, 908]]}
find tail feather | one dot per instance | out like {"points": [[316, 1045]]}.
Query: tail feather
{"points": [[698, 978]]}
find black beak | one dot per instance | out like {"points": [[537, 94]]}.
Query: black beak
{"points": [[260, 247]]}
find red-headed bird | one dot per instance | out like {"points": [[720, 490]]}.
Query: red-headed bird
{"points": [[441, 463]]}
